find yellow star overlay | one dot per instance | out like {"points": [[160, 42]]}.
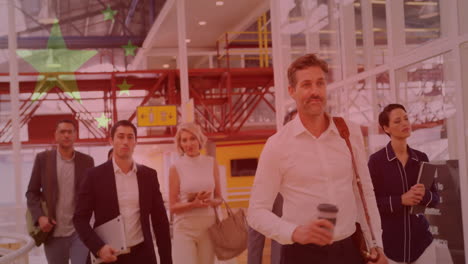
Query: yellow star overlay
{"points": [[129, 49], [124, 88], [109, 13], [56, 58], [103, 121]]}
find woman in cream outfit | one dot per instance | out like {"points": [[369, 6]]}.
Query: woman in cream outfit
{"points": [[194, 190]]}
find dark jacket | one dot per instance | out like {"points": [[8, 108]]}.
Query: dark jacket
{"points": [[43, 183], [98, 195], [405, 235]]}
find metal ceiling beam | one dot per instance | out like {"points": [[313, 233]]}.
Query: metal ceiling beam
{"points": [[118, 19], [131, 12], [76, 42], [67, 20]]}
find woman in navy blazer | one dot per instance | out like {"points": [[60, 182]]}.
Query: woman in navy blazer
{"points": [[394, 172]]}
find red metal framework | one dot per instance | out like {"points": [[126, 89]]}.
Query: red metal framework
{"points": [[224, 100]]}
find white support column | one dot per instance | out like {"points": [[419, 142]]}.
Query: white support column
{"points": [[449, 69], [368, 34], [347, 33], [278, 61], [312, 31], [182, 56], [396, 38], [210, 61], [348, 40], [446, 29], [459, 58], [462, 17], [15, 117], [334, 41], [369, 62]]}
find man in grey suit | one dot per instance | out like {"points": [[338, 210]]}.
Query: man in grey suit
{"points": [[55, 177]]}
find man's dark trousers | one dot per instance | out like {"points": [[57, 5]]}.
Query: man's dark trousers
{"points": [[138, 254], [340, 252]]}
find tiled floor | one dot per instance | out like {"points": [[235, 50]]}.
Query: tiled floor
{"points": [[37, 256]]}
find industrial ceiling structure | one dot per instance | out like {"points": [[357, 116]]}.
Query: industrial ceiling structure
{"points": [[77, 56]]}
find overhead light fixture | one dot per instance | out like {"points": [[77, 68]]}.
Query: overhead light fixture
{"points": [[202, 23], [219, 3], [165, 66], [188, 40]]}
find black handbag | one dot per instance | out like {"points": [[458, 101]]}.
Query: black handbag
{"points": [[34, 230]]}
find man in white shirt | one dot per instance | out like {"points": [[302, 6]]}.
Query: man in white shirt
{"points": [[309, 163], [122, 187]]}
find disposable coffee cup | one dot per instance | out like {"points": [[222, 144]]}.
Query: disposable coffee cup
{"points": [[327, 211]]}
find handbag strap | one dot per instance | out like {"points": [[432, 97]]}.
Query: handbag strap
{"points": [[228, 209], [344, 133]]}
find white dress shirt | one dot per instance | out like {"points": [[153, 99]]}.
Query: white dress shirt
{"points": [[308, 171], [129, 203]]}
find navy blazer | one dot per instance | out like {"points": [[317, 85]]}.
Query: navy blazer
{"points": [[98, 194], [405, 235]]}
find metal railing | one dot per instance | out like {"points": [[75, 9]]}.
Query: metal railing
{"points": [[16, 256]]}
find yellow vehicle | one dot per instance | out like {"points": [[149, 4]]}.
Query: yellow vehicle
{"points": [[238, 161]]}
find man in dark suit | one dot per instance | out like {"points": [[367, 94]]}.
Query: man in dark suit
{"points": [[55, 178], [122, 187]]}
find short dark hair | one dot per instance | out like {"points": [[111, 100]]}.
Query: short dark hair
{"points": [[122, 123], [304, 62], [68, 121], [384, 116]]}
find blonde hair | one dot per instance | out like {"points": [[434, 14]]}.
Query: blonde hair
{"points": [[193, 129]]}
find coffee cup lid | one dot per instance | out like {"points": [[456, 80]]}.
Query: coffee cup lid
{"points": [[329, 208]]}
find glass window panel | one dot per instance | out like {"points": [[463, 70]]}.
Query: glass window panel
{"points": [[362, 101], [383, 92], [427, 89], [360, 107], [422, 22], [359, 36], [337, 101], [306, 28], [243, 167], [380, 32]]}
